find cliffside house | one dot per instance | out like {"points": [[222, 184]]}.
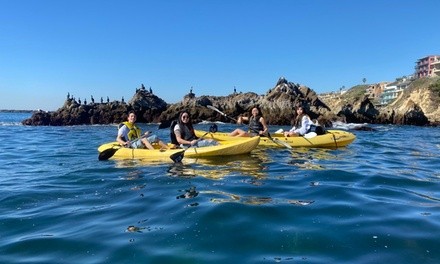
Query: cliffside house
{"points": [[428, 66], [374, 91], [392, 90]]}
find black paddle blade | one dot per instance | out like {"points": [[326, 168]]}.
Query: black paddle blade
{"points": [[108, 153], [178, 156]]}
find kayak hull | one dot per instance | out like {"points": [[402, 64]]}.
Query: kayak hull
{"points": [[332, 139], [225, 148]]}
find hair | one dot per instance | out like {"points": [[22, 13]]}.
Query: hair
{"points": [[189, 124], [300, 106], [128, 114], [297, 118], [258, 108]]}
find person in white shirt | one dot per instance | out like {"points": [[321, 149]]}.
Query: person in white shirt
{"points": [[301, 124], [130, 135]]}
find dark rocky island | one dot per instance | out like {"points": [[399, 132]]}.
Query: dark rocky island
{"points": [[417, 105]]}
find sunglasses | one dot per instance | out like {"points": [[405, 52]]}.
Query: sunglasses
{"points": [[185, 117]]}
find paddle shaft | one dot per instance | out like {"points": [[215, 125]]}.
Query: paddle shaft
{"points": [[108, 153], [276, 141], [148, 133], [220, 112], [225, 115], [178, 156]]}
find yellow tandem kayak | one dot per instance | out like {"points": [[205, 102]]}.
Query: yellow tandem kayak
{"points": [[225, 148], [332, 139]]}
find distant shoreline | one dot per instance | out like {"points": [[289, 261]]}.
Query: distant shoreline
{"points": [[16, 111]]}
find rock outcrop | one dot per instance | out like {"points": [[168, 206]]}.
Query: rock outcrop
{"points": [[147, 106], [418, 105], [277, 104], [360, 111]]}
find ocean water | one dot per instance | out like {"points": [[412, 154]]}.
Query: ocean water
{"points": [[374, 201]]}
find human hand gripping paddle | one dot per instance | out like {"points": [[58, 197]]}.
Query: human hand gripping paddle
{"points": [[108, 153], [275, 140], [178, 156]]}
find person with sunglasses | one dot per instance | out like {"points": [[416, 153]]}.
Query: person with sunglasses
{"points": [[185, 135]]}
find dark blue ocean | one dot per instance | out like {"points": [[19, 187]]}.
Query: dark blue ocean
{"points": [[375, 201]]}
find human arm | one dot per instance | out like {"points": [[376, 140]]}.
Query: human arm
{"points": [[265, 127], [241, 119], [301, 130], [180, 139], [305, 126], [123, 134], [290, 132], [122, 142], [123, 139]]}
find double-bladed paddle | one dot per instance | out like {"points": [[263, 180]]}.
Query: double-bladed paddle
{"points": [[275, 140], [178, 156], [220, 112], [108, 153]]}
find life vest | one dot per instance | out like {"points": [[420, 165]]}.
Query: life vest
{"points": [[135, 131], [255, 125], [172, 134], [319, 130], [185, 133]]}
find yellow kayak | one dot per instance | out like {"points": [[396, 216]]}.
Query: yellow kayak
{"points": [[332, 139], [225, 148]]}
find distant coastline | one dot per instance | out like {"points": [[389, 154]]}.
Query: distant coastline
{"points": [[16, 111]]}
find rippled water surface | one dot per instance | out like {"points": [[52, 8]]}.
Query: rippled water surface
{"points": [[375, 201]]}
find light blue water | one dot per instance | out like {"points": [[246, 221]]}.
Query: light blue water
{"points": [[375, 201]]}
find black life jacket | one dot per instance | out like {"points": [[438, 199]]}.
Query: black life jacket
{"points": [[255, 125], [185, 133], [172, 134], [319, 130]]}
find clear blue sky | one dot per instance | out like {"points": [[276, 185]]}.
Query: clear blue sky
{"points": [[49, 48]]}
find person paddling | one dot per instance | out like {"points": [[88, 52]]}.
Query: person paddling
{"points": [[185, 135], [129, 135], [257, 125]]}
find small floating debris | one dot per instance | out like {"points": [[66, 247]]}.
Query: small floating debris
{"points": [[134, 229], [190, 193], [137, 188], [298, 202], [314, 183]]}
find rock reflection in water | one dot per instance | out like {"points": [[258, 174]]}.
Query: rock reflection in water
{"points": [[217, 168], [306, 158], [189, 193], [252, 200]]}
